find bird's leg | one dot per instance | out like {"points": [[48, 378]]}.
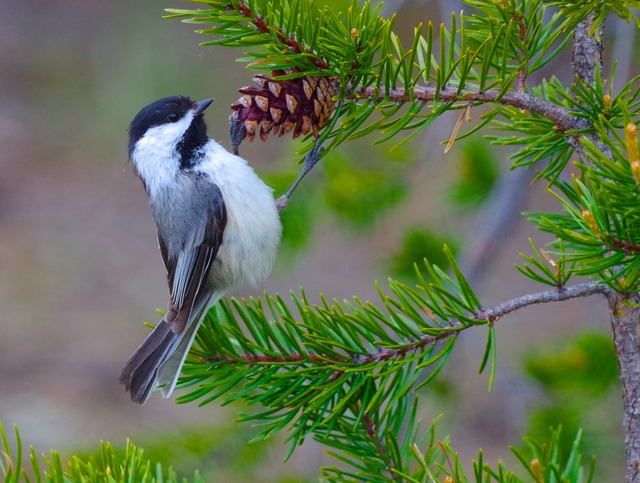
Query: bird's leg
{"points": [[237, 132], [310, 161]]}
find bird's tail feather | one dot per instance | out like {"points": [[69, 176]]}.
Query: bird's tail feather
{"points": [[141, 371], [158, 360], [170, 370]]}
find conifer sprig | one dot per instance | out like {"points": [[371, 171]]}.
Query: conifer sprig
{"points": [[375, 74], [598, 232], [129, 465], [344, 373], [337, 369], [481, 58], [126, 465]]}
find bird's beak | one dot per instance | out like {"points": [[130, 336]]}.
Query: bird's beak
{"points": [[200, 106]]}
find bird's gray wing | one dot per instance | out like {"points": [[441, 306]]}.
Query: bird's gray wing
{"points": [[188, 269]]}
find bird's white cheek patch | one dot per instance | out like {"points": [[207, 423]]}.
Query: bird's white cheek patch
{"points": [[155, 157]]}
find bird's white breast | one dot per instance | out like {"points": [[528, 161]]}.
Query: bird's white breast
{"points": [[253, 230]]}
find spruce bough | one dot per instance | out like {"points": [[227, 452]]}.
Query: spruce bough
{"points": [[339, 370], [345, 372]]}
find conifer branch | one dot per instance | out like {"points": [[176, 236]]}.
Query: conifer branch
{"points": [[382, 355], [522, 73], [565, 293], [331, 368], [363, 59], [559, 115], [287, 40]]}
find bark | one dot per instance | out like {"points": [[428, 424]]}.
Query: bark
{"points": [[587, 58], [625, 311], [625, 322], [588, 51]]}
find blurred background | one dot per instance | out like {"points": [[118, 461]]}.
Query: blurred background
{"points": [[80, 271]]}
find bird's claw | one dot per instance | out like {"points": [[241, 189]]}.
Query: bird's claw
{"points": [[310, 161], [237, 133], [313, 156]]}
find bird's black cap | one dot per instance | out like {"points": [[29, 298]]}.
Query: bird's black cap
{"points": [[168, 110]]}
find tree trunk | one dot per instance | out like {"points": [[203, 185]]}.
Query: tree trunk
{"points": [[625, 322]]}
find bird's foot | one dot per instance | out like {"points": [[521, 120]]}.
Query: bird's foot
{"points": [[237, 132], [310, 161]]}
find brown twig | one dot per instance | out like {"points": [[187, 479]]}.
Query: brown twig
{"points": [[574, 291], [522, 73], [371, 430], [624, 245], [562, 118], [289, 41]]}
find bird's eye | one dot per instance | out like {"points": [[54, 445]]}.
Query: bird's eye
{"points": [[173, 117]]}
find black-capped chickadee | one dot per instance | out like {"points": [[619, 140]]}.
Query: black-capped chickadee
{"points": [[218, 228]]}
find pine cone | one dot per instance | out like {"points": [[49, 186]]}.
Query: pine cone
{"points": [[299, 105]]}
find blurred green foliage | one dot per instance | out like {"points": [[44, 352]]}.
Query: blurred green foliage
{"points": [[360, 187], [418, 244], [580, 381], [359, 191], [301, 215], [583, 368], [220, 453], [129, 465], [478, 173]]}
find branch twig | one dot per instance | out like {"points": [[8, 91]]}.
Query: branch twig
{"points": [[289, 41], [575, 291], [559, 115], [371, 430]]}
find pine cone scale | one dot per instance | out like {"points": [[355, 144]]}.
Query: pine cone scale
{"points": [[300, 105]]}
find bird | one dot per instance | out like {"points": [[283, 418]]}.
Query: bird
{"points": [[218, 228]]}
